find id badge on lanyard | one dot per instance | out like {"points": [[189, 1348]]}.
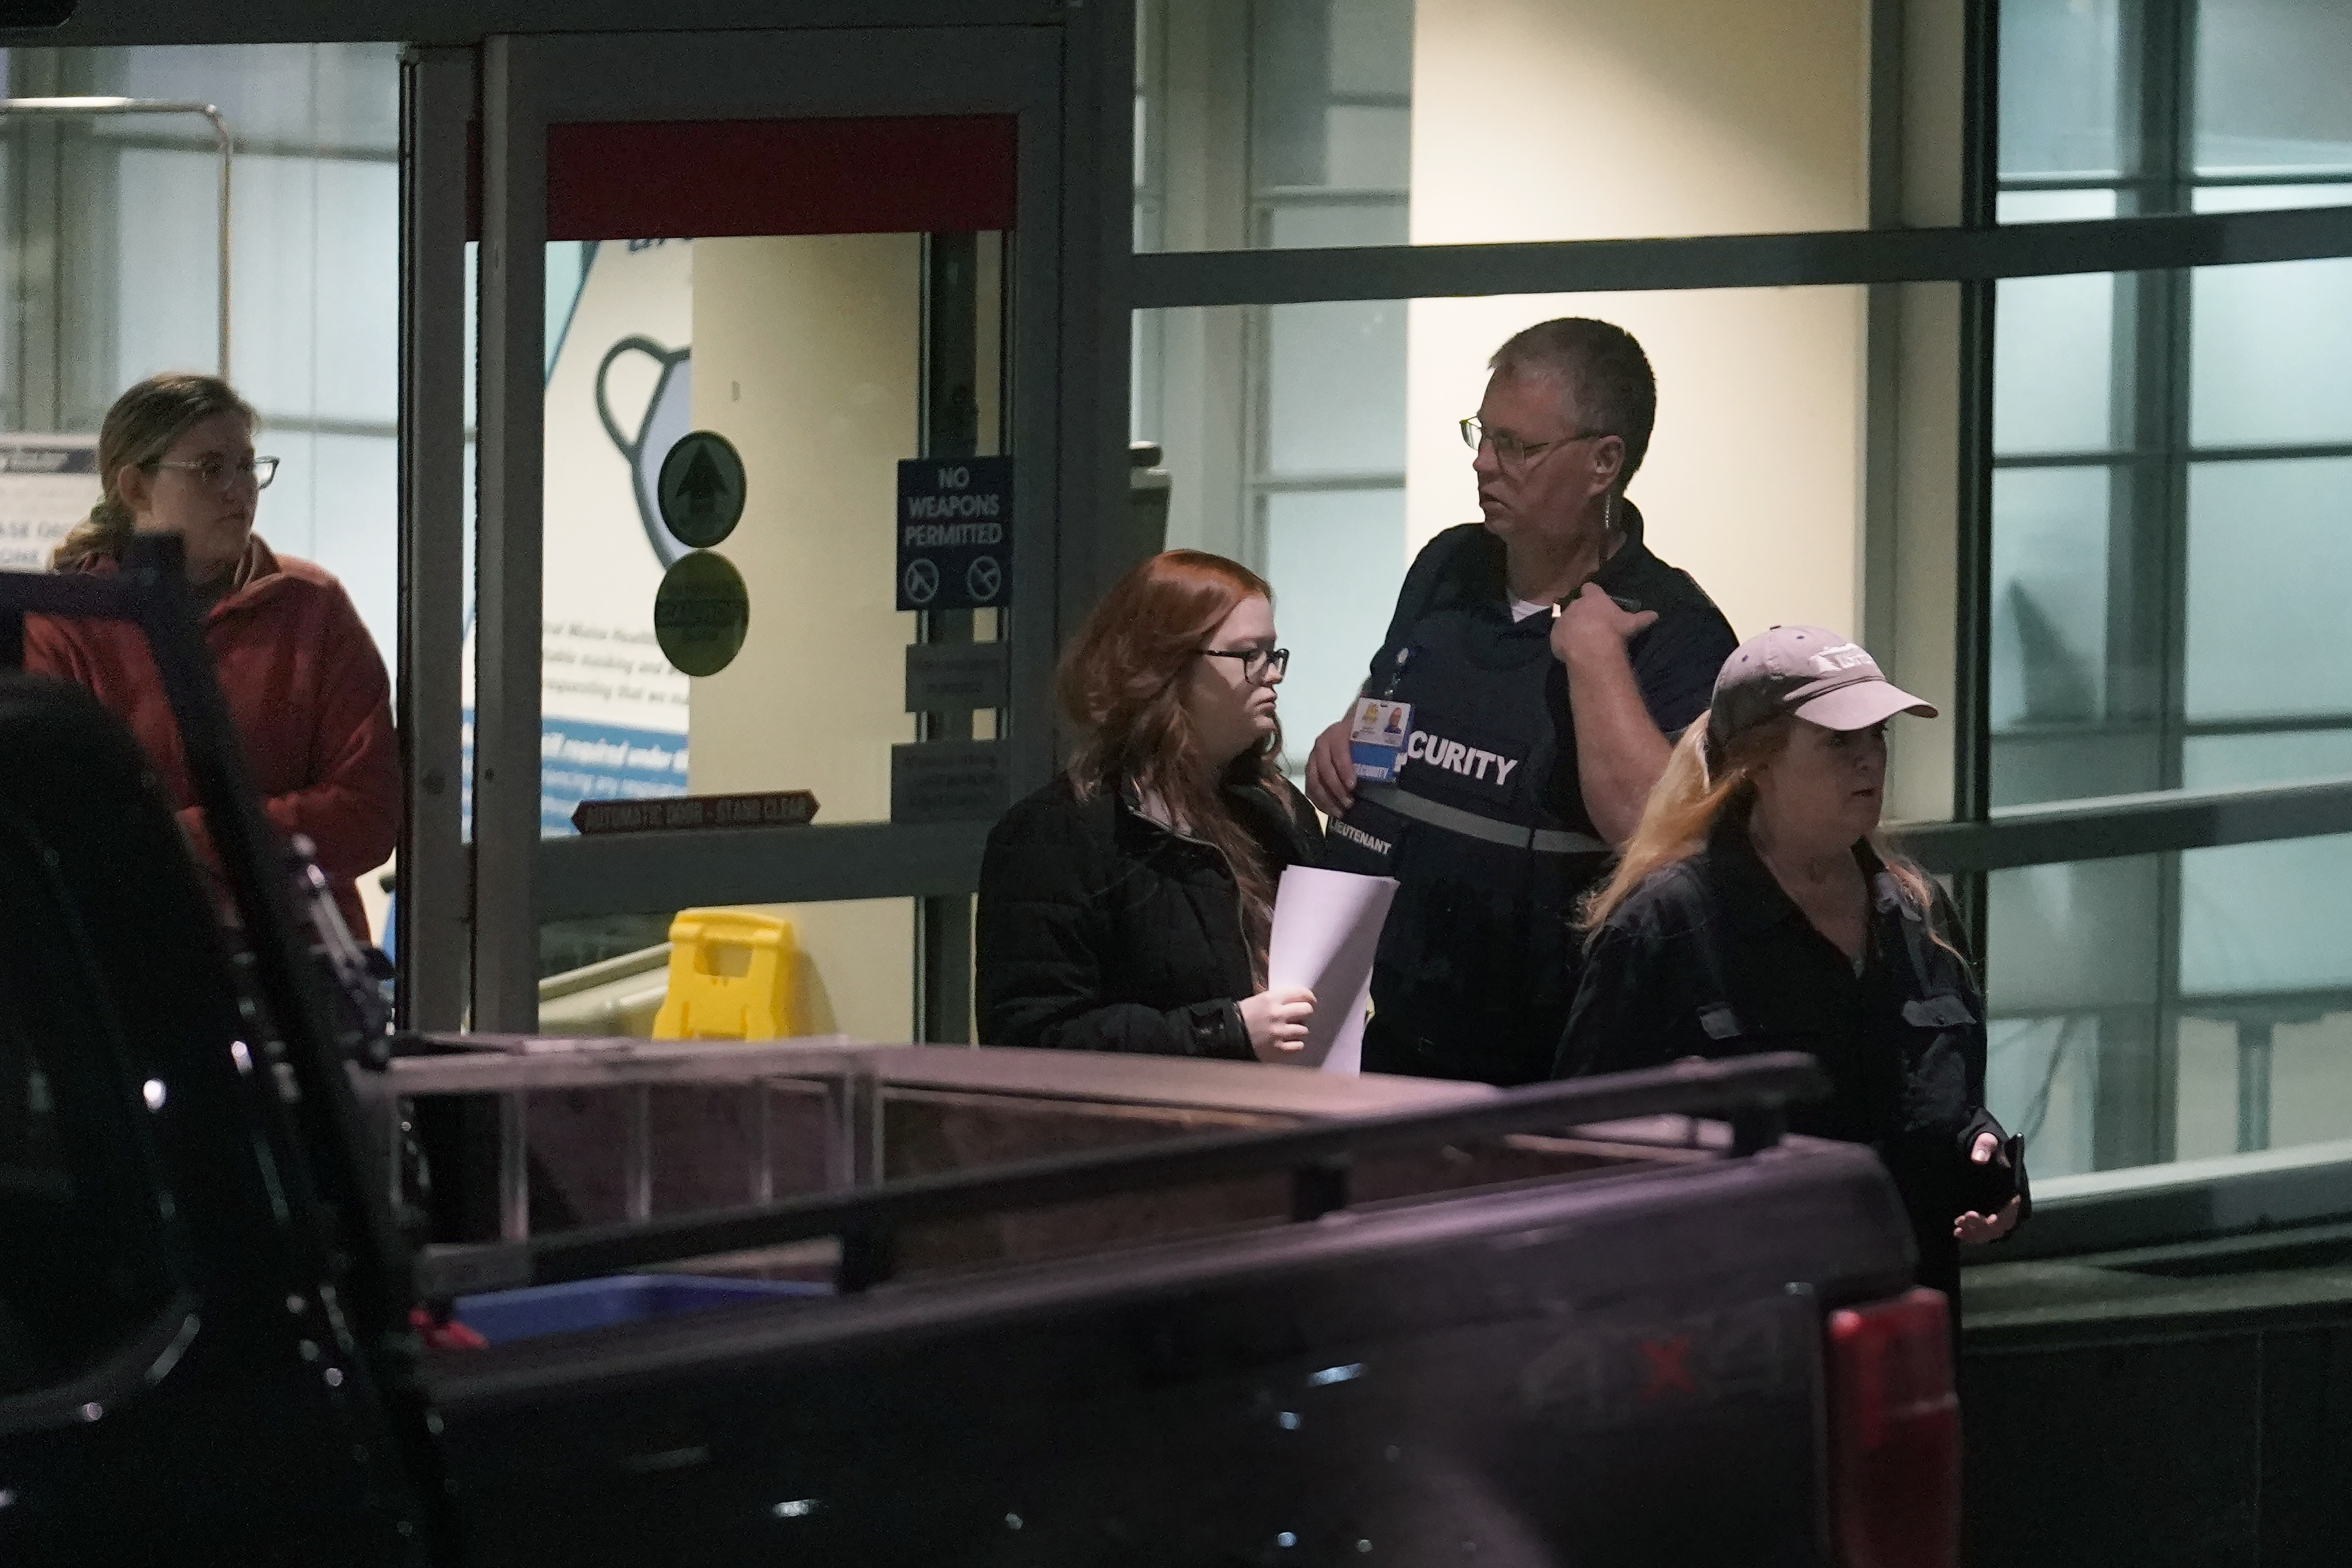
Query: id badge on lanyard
{"points": [[1378, 731]]}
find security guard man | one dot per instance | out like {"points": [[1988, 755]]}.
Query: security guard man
{"points": [[1517, 714]]}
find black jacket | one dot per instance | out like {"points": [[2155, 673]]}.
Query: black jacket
{"points": [[1711, 957], [1101, 930]]}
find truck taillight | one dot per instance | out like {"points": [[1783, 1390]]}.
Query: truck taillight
{"points": [[1895, 1434]]}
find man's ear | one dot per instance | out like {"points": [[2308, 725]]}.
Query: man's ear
{"points": [[1608, 461]]}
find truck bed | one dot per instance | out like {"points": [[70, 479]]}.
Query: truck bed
{"points": [[1615, 1362]]}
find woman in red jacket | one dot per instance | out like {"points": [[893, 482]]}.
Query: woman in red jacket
{"points": [[304, 682]]}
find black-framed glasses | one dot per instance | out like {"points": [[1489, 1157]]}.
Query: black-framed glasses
{"points": [[213, 472], [1264, 665], [1509, 450]]}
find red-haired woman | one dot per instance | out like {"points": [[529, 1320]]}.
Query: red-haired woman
{"points": [[1126, 906]]}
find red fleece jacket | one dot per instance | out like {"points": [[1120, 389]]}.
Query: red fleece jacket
{"points": [[306, 689]]}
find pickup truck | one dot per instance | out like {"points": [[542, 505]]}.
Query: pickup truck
{"points": [[1613, 1322]]}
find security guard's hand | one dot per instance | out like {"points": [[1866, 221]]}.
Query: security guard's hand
{"points": [[1978, 1227], [1332, 772], [1592, 622]]}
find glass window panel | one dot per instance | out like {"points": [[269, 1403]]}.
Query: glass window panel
{"points": [[2230, 761], [804, 352], [2049, 596], [2310, 1099], [2206, 1119], [1371, 45], [315, 310], [2078, 937], [1469, 104], [1336, 388], [2269, 570], [1335, 559], [2041, 1078], [355, 484], [2060, 76], [1330, 87], [2073, 986], [2264, 918], [356, 356], [1292, 226], [339, 97], [2251, 1048], [2053, 343], [2298, 1052], [167, 314], [2272, 342], [1370, 147], [1289, 86], [2270, 85]]}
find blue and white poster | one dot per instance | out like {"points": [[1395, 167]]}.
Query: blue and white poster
{"points": [[612, 710]]}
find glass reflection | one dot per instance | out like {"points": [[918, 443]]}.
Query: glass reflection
{"points": [[2060, 81], [2269, 87]]}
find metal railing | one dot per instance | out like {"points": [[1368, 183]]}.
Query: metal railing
{"points": [[512, 1069], [74, 108], [2108, 827], [1752, 1093]]}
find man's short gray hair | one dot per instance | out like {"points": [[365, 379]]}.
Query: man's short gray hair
{"points": [[1602, 367]]}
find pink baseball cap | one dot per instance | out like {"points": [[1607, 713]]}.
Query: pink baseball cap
{"points": [[1813, 673]]}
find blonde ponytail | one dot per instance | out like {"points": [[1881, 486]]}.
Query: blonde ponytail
{"points": [[99, 537], [1683, 809]]}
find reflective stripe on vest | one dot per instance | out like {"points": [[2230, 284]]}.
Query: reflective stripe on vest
{"points": [[1469, 824]]}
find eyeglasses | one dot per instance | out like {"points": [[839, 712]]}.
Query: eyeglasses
{"points": [[1257, 663], [1509, 450], [213, 472]]}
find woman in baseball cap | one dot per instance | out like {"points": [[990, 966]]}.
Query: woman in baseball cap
{"points": [[1756, 908]]}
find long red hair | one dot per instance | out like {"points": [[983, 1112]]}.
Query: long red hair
{"points": [[1122, 686]]}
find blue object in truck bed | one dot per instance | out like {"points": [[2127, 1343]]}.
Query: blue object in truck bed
{"points": [[501, 1316]]}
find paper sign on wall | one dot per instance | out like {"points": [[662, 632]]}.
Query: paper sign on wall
{"points": [[955, 533], [48, 484]]}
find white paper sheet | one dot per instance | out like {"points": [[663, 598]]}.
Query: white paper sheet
{"points": [[1326, 926]]}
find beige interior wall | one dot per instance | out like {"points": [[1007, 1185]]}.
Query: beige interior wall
{"points": [[806, 357], [1545, 119], [1923, 646]]}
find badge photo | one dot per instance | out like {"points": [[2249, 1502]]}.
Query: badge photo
{"points": [[1378, 732]]}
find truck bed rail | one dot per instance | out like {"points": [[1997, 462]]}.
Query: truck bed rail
{"points": [[1751, 1093]]}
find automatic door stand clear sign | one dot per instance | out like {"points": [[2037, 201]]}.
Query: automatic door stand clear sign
{"points": [[954, 529]]}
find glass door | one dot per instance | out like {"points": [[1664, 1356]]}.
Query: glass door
{"points": [[749, 303]]}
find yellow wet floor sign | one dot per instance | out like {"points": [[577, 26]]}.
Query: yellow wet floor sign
{"points": [[730, 977]]}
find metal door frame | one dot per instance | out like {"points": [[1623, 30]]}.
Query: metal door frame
{"points": [[475, 913]]}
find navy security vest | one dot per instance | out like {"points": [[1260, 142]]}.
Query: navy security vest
{"points": [[1485, 829]]}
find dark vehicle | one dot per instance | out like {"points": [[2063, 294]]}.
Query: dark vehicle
{"points": [[1564, 1324]]}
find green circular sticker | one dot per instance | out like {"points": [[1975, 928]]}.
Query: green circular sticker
{"points": [[701, 489], [700, 612]]}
